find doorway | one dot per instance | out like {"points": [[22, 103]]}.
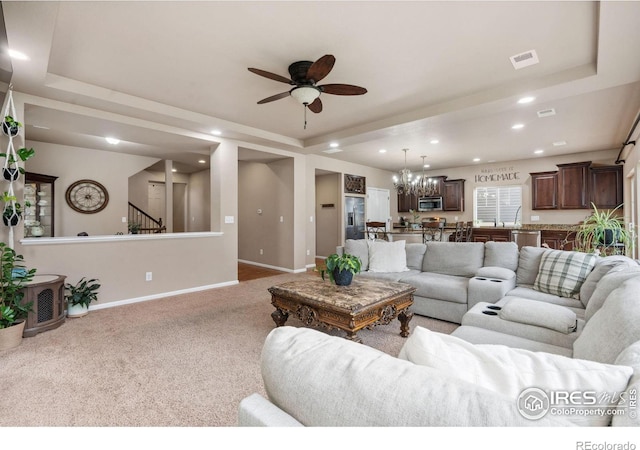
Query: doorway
{"points": [[378, 206], [157, 209]]}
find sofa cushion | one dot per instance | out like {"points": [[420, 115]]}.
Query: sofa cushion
{"points": [[388, 276], [454, 258], [608, 284], [438, 286], [613, 327], [499, 273], [415, 255], [510, 371], [602, 267], [501, 254], [387, 256], [628, 416], [528, 264], [324, 380], [359, 248], [539, 314], [562, 273], [525, 291]]}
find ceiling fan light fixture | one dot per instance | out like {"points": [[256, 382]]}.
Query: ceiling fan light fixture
{"points": [[305, 94]]}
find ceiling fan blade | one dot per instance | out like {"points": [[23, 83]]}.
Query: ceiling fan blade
{"points": [[271, 76], [321, 68], [342, 89], [316, 106], [274, 97]]}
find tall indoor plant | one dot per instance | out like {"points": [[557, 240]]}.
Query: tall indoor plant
{"points": [[13, 311], [602, 232]]}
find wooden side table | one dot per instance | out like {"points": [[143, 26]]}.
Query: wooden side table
{"points": [[47, 294]]}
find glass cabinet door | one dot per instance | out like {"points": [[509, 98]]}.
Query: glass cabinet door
{"points": [[39, 215]]}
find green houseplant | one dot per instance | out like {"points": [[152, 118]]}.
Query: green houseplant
{"points": [[13, 311], [80, 295], [134, 227], [342, 268], [601, 232], [11, 172], [10, 126], [12, 211]]}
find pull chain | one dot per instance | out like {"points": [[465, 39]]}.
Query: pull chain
{"points": [[305, 116]]}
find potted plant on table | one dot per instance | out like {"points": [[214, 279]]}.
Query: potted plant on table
{"points": [[342, 268], [80, 295], [603, 232], [13, 311]]}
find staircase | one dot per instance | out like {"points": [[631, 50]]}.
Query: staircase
{"points": [[145, 223]]}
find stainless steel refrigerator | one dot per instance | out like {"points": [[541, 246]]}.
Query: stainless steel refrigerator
{"points": [[354, 217]]}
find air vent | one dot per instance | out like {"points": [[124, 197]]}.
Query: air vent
{"points": [[332, 150], [547, 112], [525, 59]]}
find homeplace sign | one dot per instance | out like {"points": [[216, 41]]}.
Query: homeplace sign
{"points": [[497, 174]]}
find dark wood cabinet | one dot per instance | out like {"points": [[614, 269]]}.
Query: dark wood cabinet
{"points": [[453, 195], [407, 202], [573, 185], [558, 240], [606, 186], [544, 190], [490, 234]]}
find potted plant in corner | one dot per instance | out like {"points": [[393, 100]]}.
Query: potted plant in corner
{"points": [[80, 295], [13, 311], [603, 232], [342, 268]]}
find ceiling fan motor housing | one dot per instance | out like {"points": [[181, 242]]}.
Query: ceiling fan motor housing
{"points": [[298, 71]]}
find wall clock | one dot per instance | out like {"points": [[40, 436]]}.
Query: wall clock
{"points": [[87, 196]]}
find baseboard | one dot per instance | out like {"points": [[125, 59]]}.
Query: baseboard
{"points": [[162, 295], [268, 266]]}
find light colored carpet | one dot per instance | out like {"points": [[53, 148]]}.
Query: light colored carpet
{"points": [[180, 361]]}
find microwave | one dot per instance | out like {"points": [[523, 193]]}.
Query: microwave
{"points": [[430, 204]]}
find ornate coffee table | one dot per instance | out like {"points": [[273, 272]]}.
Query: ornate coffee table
{"points": [[363, 304]]}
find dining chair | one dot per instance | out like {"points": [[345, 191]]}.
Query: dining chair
{"points": [[460, 232], [377, 230], [432, 231], [469, 231]]}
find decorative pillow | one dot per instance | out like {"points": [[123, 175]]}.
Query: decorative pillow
{"points": [[359, 248], [509, 371], [387, 256], [562, 273]]}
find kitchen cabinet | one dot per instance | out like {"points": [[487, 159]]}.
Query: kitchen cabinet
{"points": [[573, 185], [491, 234], [606, 186], [407, 202], [39, 217], [544, 190], [453, 195], [558, 240]]}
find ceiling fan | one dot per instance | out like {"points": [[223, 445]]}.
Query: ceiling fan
{"points": [[304, 78]]}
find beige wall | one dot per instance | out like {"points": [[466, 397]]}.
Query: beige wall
{"points": [[268, 188], [327, 218], [70, 164], [476, 176]]}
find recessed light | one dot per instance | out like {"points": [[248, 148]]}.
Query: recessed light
{"points": [[476, 159], [537, 152], [15, 54], [517, 126], [174, 170], [202, 161], [382, 150], [334, 145], [41, 127], [426, 166], [434, 141], [524, 100], [112, 141], [559, 143], [216, 132]]}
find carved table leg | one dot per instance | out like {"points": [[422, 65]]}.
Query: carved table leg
{"points": [[279, 316], [405, 317], [353, 336]]}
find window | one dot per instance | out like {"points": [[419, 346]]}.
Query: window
{"points": [[498, 205]]}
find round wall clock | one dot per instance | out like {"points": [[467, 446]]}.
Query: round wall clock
{"points": [[87, 196]]}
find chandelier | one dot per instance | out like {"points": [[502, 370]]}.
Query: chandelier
{"points": [[403, 183], [423, 186]]}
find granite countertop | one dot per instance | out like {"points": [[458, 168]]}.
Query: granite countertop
{"points": [[524, 226]]}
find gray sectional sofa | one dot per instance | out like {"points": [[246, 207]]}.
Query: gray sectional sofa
{"points": [[495, 369]]}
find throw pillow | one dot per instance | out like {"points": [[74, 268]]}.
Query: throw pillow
{"points": [[509, 371], [359, 248], [387, 256], [562, 273]]}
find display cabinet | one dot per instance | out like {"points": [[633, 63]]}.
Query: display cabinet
{"points": [[39, 217]]}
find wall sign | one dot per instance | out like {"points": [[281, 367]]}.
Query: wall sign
{"points": [[497, 174]]}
